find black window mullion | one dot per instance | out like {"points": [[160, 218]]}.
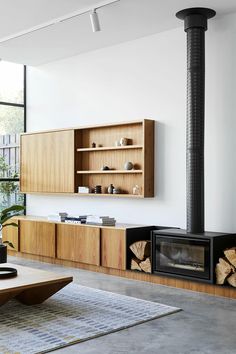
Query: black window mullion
{"points": [[20, 105], [12, 104], [9, 179]]}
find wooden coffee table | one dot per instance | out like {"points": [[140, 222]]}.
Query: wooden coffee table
{"points": [[31, 286]]}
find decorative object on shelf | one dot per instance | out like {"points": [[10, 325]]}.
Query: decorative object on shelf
{"points": [[117, 143], [116, 190], [128, 165], [105, 168], [93, 145], [100, 145], [5, 215], [136, 190], [6, 272], [98, 189], [124, 141], [84, 189], [110, 189]]}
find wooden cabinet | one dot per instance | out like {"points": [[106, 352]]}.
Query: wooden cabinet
{"points": [[61, 161], [47, 162], [10, 233], [93, 245], [113, 248], [139, 150], [78, 243], [38, 238]]}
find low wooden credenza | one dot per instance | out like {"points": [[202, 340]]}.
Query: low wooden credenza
{"points": [[96, 248]]}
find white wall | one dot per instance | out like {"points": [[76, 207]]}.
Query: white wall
{"points": [[146, 78]]}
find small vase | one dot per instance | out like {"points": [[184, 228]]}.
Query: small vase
{"points": [[128, 165], [110, 189], [136, 190]]}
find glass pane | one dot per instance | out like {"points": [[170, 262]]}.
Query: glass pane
{"points": [[9, 194], [11, 82], [11, 124], [11, 120], [182, 256]]}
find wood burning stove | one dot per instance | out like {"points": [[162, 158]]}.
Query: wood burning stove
{"points": [[193, 253], [192, 256]]}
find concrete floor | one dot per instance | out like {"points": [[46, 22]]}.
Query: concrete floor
{"points": [[206, 325]]}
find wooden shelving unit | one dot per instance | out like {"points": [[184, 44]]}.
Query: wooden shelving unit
{"points": [[139, 150], [59, 161]]}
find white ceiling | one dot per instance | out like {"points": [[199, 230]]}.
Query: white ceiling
{"points": [[122, 21]]}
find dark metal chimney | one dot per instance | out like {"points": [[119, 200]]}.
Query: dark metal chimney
{"points": [[195, 24]]}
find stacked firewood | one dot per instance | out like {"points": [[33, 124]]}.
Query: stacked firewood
{"points": [[142, 252], [226, 268]]}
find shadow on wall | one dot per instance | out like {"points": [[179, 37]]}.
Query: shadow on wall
{"points": [[159, 163]]}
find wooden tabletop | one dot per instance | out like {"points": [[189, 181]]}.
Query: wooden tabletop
{"points": [[29, 277]]}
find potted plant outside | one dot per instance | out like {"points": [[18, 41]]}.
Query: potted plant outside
{"points": [[5, 216]]}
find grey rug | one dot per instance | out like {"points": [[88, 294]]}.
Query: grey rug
{"points": [[75, 314]]}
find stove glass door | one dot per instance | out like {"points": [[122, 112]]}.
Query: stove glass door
{"points": [[178, 255]]}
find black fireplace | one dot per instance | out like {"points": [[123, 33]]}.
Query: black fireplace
{"points": [[192, 256], [192, 253]]}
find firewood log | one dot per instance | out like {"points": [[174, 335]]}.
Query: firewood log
{"points": [[135, 264], [230, 254], [141, 249], [146, 265], [223, 269], [232, 280]]}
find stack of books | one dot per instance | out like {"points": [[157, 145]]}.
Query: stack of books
{"points": [[100, 220], [81, 219]]}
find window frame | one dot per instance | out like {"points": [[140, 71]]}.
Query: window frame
{"points": [[22, 105]]}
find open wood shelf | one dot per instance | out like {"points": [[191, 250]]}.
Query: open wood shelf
{"points": [[89, 161], [105, 148], [108, 172]]}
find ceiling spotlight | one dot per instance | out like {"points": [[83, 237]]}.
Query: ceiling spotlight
{"points": [[95, 21], [93, 17]]}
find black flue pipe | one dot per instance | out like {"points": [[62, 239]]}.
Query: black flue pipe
{"points": [[195, 25]]}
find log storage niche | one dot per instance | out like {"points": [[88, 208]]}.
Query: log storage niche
{"points": [[226, 268], [142, 253]]}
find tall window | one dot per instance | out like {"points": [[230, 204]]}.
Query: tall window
{"points": [[12, 123]]}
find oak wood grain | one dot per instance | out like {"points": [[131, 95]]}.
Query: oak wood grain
{"points": [[47, 162], [81, 244], [37, 238], [113, 248]]}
